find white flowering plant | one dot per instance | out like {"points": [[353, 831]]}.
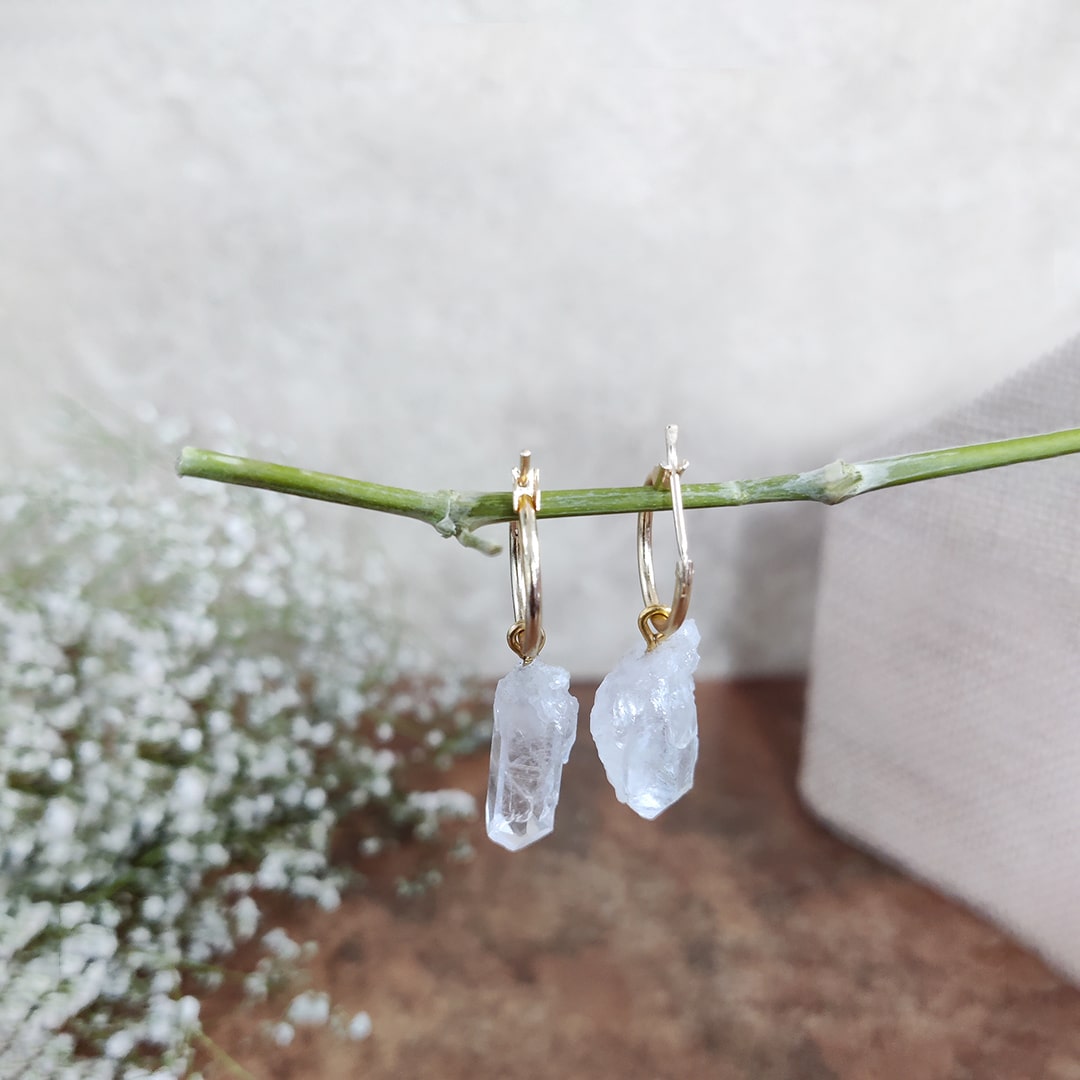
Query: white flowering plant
{"points": [[193, 693]]}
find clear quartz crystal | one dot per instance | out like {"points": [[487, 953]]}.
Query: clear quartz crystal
{"points": [[535, 726], [644, 723]]}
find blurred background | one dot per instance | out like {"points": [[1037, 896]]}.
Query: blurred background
{"points": [[403, 241]]}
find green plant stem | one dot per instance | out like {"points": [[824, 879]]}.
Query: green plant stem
{"points": [[229, 1063], [460, 513]]}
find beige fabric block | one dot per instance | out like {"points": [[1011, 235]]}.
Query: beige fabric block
{"points": [[944, 709]]}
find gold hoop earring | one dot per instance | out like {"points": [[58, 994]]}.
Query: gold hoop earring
{"points": [[656, 622], [644, 718], [526, 637], [535, 715]]}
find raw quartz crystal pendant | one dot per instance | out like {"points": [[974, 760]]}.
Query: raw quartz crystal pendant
{"points": [[535, 725], [644, 723]]}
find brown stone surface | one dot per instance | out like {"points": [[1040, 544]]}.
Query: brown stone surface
{"points": [[731, 938]]}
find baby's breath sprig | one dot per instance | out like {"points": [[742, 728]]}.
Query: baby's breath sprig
{"points": [[194, 691]]}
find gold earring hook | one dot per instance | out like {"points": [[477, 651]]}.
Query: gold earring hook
{"points": [[656, 621], [526, 637]]}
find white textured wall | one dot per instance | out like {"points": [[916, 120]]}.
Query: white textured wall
{"points": [[412, 238]]}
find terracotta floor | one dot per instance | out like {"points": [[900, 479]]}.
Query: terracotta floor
{"points": [[731, 938]]}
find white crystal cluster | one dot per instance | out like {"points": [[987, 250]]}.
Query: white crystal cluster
{"points": [[181, 674], [534, 731], [644, 723]]}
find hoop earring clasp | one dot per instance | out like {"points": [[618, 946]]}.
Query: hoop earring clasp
{"points": [[526, 637], [656, 621]]}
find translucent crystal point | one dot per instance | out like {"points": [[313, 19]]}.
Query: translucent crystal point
{"points": [[644, 723], [535, 726]]}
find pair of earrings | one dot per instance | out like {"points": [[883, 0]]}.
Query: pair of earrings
{"points": [[644, 719]]}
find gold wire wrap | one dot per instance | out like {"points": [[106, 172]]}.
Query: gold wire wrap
{"points": [[514, 638], [647, 624]]}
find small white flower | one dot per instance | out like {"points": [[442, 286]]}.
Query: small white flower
{"points": [[219, 721], [60, 770], [328, 897], [360, 1027], [246, 677], [280, 944], [246, 917], [322, 734], [256, 987], [188, 1011], [89, 752], [384, 760], [119, 1045], [165, 982], [61, 817], [191, 740], [309, 1009], [273, 872], [315, 799], [283, 1033], [189, 791], [73, 913], [153, 908]]}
